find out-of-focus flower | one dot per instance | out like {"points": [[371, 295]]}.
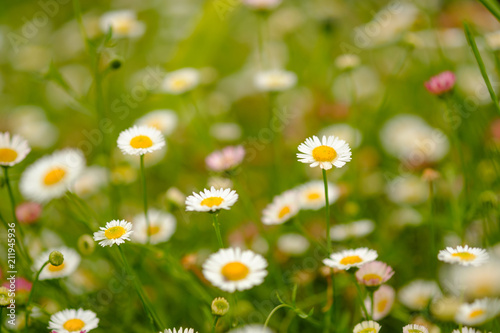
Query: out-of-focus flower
{"points": [[476, 282], [345, 132], [115, 232], [356, 229], [22, 288], [30, 122], [90, 181], [175, 196], [220, 306], [163, 120], [219, 182], [51, 176], [180, 330], [347, 61], [254, 328], [5, 299], [12, 149], [274, 80], [211, 200], [225, 131], [312, 194], [441, 83], [478, 312], [418, 294], [123, 24], [493, 40], [226, 159], [140, 140], [281, 209], [374, 273], [445, 308], [71, 320], [466, 329], [180, 81], [408, 190], [123, 174], [330, 151], [383, 300], [68, 266], [233, 269], [414, 328], [86, 244], [351, 258], [367, 327], [293, 244], [464, 255], [161, 227], [262, 4], [28, 212]]}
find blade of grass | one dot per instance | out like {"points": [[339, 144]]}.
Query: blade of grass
{"points": [[493, 7], [480, 62]]}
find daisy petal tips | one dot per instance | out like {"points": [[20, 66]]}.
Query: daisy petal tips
{"points": [[326, 153]]}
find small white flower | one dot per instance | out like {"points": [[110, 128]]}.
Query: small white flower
{"points": [[140, 140], [211, 200], [356, 229], [163, 120], [275, 80], [254, 328], [181, 81], [478, 312], [351, 258], [233, 269], [418, 294], [71, 321], [161, 227], [466, 329], [367, 327], [180, 330], [68, 267], [115, 232], [464, 255], [312, 194], [284, 207], [414, 328], [123, 23], [326, 153], [347, 61], [293, 244], [12, 149]]}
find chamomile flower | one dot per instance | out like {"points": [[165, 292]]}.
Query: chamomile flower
{"points": [[284, 207], [274, 80], [478, 312], [115, 232], [70, 264], [181, 81], [466, 329], [325, 153], [418, 294], [414, 328], [254, 328], [374, 273], [140, 140], [180, 330], [12, 149], [383, 300], [161, 227], [51, 176], [71, 320], [369, 326], [163, 120], [211, 200], [464, 255], [312, 194], [123, 23], [351, 258], [233, 269]]}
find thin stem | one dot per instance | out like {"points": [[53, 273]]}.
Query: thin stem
{"points": [[216, 319], [360, 296], [327, 214], [216, 225], [372, 310], [30, 297], [1, 316], [145, 198], [273, 311]]}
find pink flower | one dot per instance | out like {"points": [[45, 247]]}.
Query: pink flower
{"points": [[383, 300], [441, 83], [374, 273], [28, 212], [225, 159]]}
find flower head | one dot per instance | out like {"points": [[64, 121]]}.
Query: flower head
{"points": [[383, 300], [123, 24], [274, 80], [115, 232], [351, 258], [478, 312], [414, 328], [466, 329], [367, 327], [312, 194], [284, 207], [181, 81], [225, 159], [441, 83], [71, 261], [161, 227], [325, 153], [163, 120], [253, 328], [374, 273], [211, 200], [71, 321], [220, 306], [418, 294], [12, 149], [140, 140], [28, 212], [356, 229], [464, 255], [180, 330]]}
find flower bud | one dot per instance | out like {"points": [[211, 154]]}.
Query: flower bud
{"points": [[86, 244], [220, 306], [5, 299], [56, 258]]}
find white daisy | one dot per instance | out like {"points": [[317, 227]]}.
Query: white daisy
{"points": [[351, 258], [51, 176], [181, 81], [140, 140], [70, 264], [211, 200], [464, 255], [478, 312], [356, 229], [284, 207], [330, 151], [163, 120], [123, 23], [418, 294], [466, 330], [233, 269], [254, 328], [71, 320], [180, 330], [312, 194], [161, 227], [12, 150], [369, 326], [274, 80], [414, 328], [115, 232]]}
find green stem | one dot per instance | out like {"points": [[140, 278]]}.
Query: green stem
{"points": [[360, 296], [273, 311], [216, 225], [372, 309], [30, 297], [145, 197], [216, 319], [327, 214]]}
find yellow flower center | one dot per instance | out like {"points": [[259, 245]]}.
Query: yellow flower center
{"points": [[235, 271], [371, 277], [122, 26], [381, 305], [74, 325], [141, 141], [153, 230], [155, 123], [53, 268], [465, 256], [284, 211], [212, 201], [54, 176], [351, 260], [324, 154], [313, 196], [115, 232], [179, 83], [7, 155], [368, 330], [414, 330], [476, 313]]}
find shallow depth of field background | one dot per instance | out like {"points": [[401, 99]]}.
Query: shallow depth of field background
{"points": [[398, 52]]}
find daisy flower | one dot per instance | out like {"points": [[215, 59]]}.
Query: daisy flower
{"points": [[274, 80], [351, 258], [211, 200], [374, 273], [51, 176], [115, 232], [464, 255], [441, 83], [163, 120], [140, 140], [347, 61], [180, 330], [123, 23], [71, 320], [70, 264], [356, 229], [478, 312], [383, 300], [466, 330], [254, 328], [312, 194], [414, 328], [12, 150], [233, 269], [180, 81], [293, 244], [326, 153], [225, 159], [284, 207], [161, 227], [418, 294], [367, 327]]}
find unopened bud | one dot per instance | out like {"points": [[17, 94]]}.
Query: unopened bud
{"points": [[5, 299], [56, 258], [430, 175], [86, 244], [220, 306]]}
